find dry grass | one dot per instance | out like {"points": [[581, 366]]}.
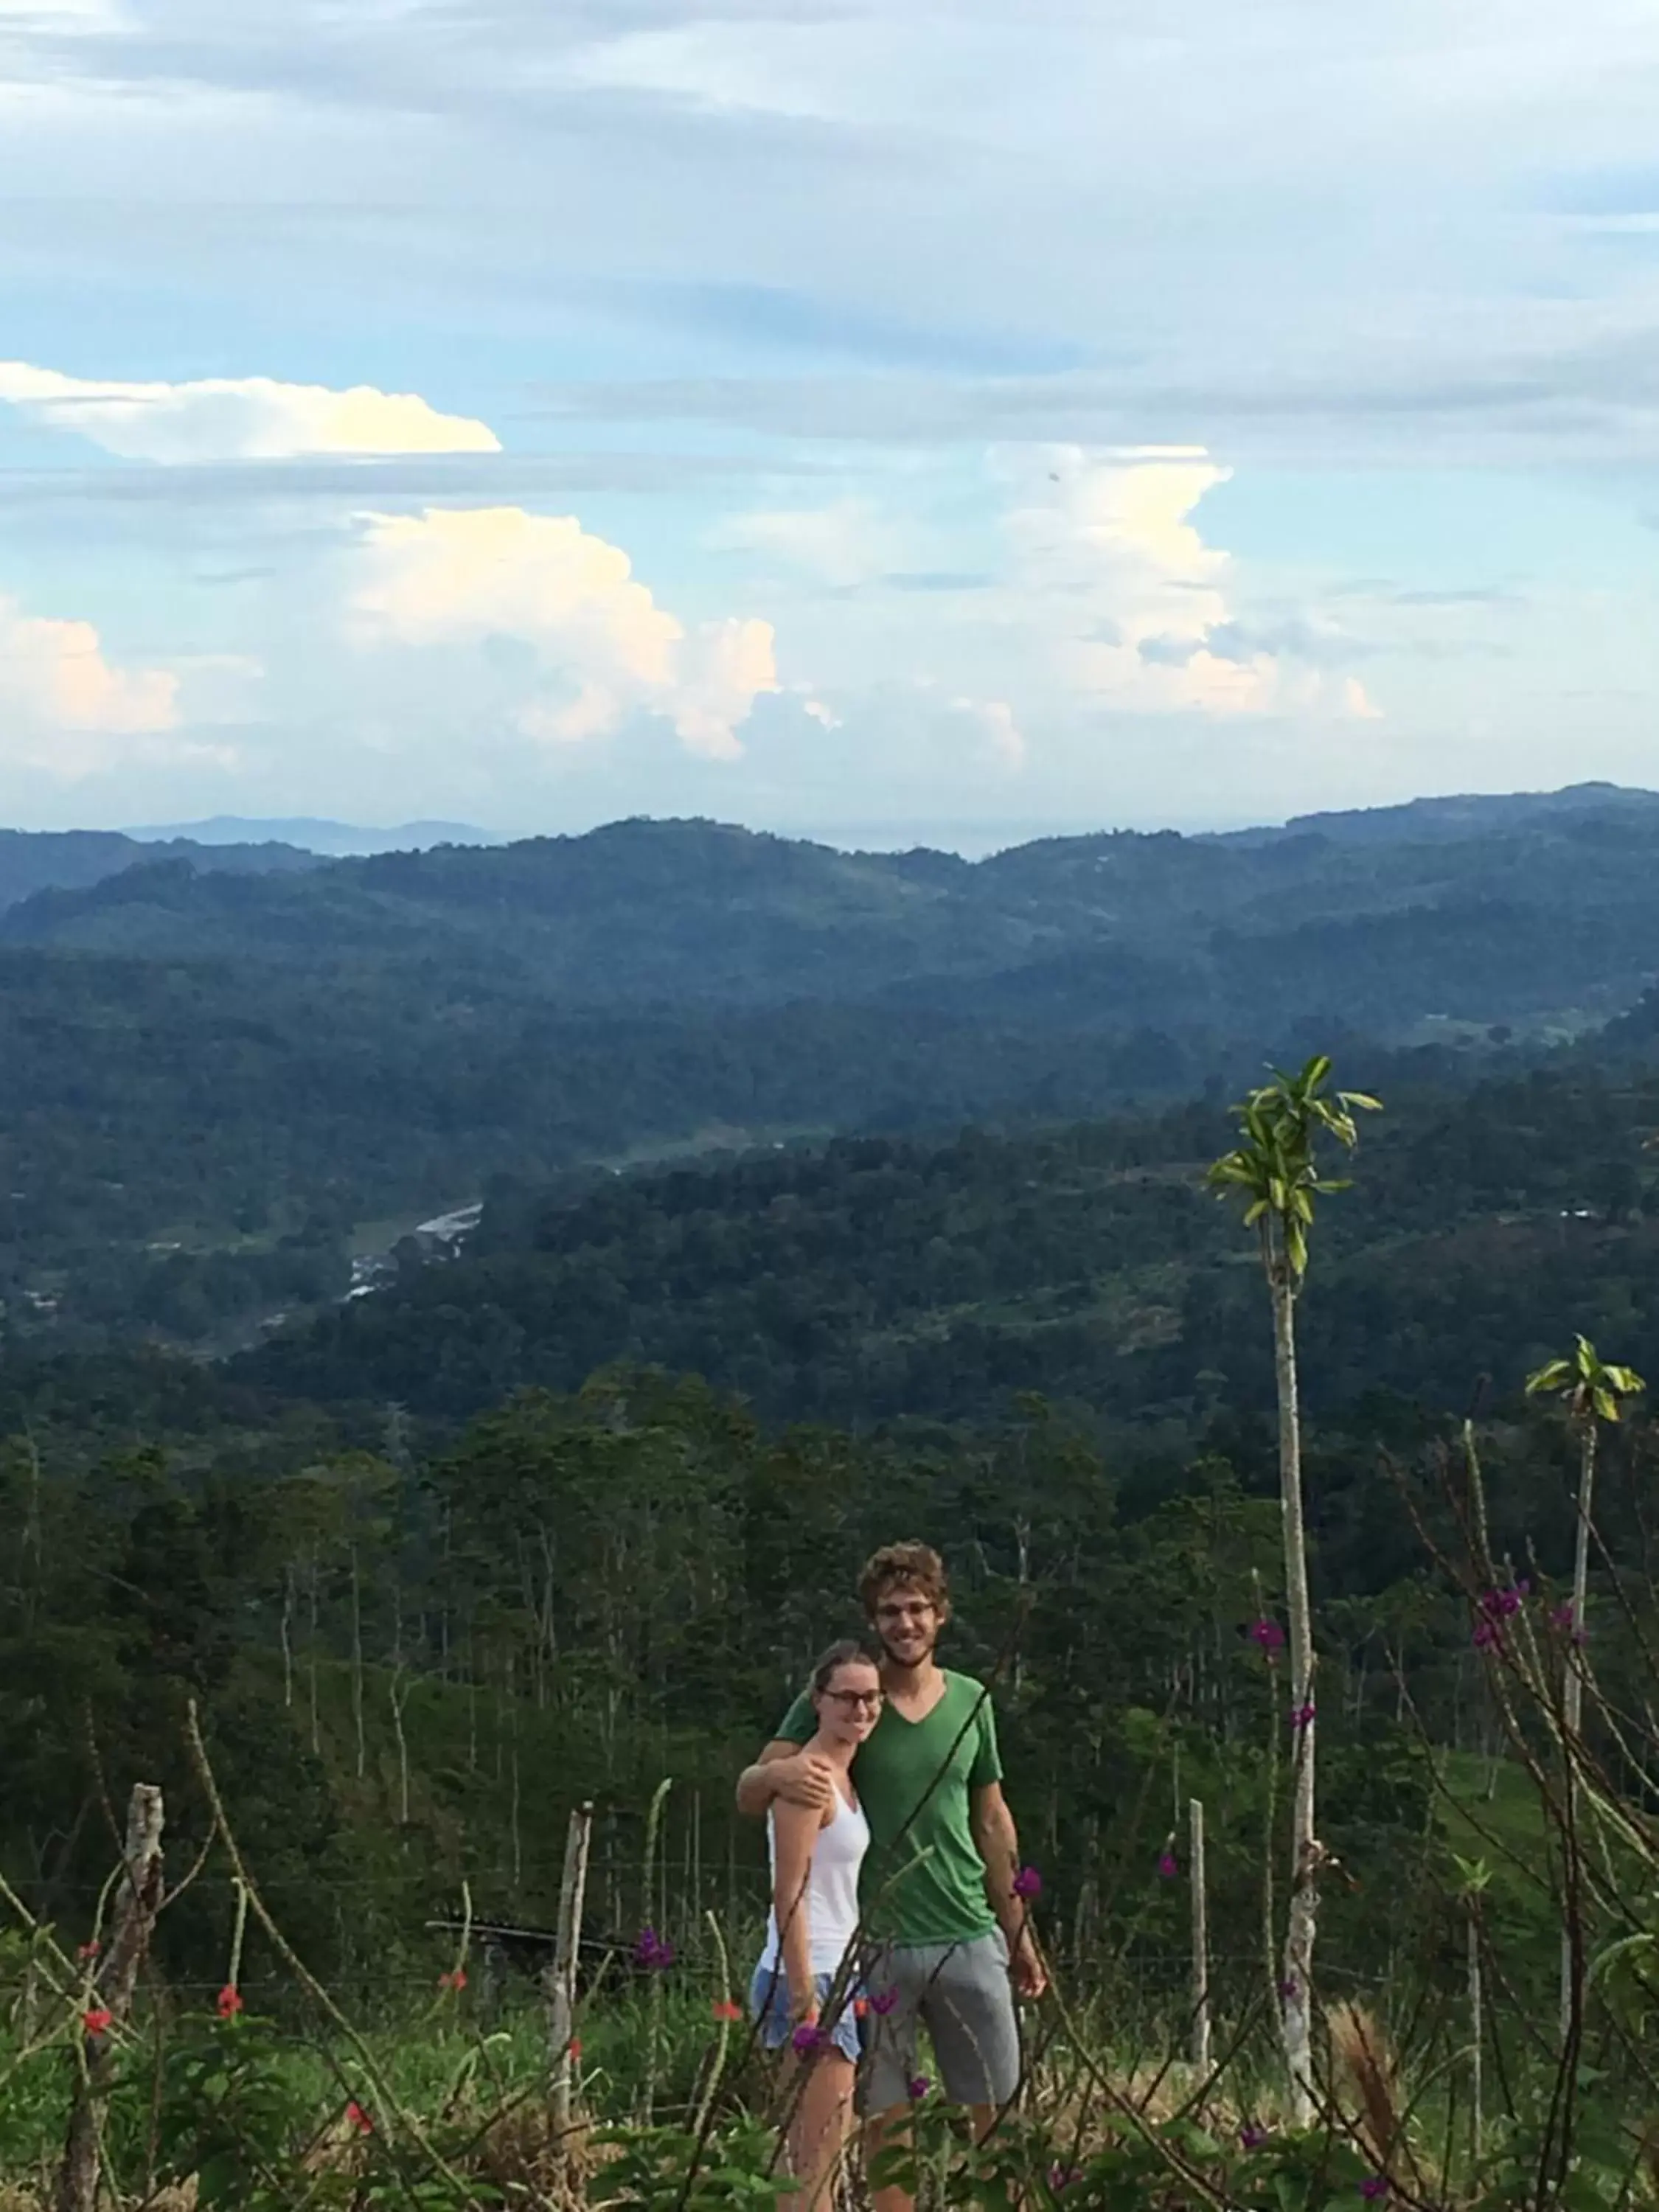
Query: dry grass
{"points": [[1363, 2060]]}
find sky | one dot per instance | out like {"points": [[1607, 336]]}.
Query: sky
{"points": [[861, 418]]}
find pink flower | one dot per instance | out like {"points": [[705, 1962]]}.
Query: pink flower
{"points": [[1167, 1866], [1269, 1634], [918, 2086], [230, 2001], [96, 2020], [1302, 1716], [1028, 1882], [359, 2119]]}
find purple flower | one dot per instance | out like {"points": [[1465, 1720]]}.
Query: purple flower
{"points": [[808, 2037], [919, 2087], [653, 1953], [1028, 1882], [1505, 1604], [1251, 2137], [883, 2000], [1062, 2176], [1269, 1634], [1562, 1616], [1167, 1866], [1302, 1716], [1287, 1988], [1373, 2188], [1485, 1635]]}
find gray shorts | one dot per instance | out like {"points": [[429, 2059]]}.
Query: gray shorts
{"points": [[961, 1994]]}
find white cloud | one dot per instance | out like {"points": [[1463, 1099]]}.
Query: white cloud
{"points": [[1004, 739], [66, 709], [1137, 605], [601, 646], [238, 418]]}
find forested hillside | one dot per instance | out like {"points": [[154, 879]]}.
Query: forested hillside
{"points": [[228, 1083], [873, 1276], [32, 862]]}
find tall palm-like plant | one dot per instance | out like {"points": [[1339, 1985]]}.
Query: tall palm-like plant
{"points": [[1590, 1387], [1275, 1170]]}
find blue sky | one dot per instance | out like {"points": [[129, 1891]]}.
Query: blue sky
{"points": [[848, 416]]}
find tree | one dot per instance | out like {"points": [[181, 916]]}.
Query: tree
{"points": [[1591, 1389], [1275, 1170]]}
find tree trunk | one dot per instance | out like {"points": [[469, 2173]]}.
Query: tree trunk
{"points": [[1201, 1939], [310, 1655], [562, 1978], [1477, 2040], [357, 1666], [401, 1687], [1300, 1919], [288, 1635], [1572, 1695], [137, 1900]]}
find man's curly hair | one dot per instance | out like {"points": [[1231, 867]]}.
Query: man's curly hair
{"points": [[905, 1566]]}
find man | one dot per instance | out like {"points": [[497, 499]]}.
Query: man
{"points": [[949, 1934]]}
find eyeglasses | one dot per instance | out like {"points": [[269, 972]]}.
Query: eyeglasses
{"points": [[852, 1698]]}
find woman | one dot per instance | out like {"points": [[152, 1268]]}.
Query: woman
{"points": [[816, 1857]]}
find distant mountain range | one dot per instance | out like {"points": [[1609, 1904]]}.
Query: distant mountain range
{"points": [[223, 1060], [1528, 909], [1471, 814], [72, 860], [337, 839]]}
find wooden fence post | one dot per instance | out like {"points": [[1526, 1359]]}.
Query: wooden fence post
{"points": [[1200, 1938], [562, 1974], [137, 1901]]}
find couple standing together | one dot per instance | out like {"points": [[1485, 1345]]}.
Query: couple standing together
{"points": [[895, 1898]]}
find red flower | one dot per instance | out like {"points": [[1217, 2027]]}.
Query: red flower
{"points": [[96, 2020], [575, 2048], [861, 2007], [230, 2001], [455, 1979], [724, 2008], [359, 2119], [90, 1950]]}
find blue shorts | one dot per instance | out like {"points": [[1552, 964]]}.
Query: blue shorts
{"points": [[768, 2003]]}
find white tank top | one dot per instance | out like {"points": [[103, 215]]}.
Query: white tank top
{"points": [[831, 1902]]}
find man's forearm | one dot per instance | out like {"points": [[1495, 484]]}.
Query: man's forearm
{"points": [[756, 1787], [998, 1846]]}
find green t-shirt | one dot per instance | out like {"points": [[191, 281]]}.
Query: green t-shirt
{"points": [[915, 1780]]}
